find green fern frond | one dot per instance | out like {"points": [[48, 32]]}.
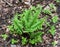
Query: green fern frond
{"points": [[52, 30], [36, 37], [38, 24], [35, 15]]}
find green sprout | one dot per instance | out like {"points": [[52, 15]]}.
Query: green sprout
{"points": [[54, 43], [52, 6], [13, 41], [47, 11], [4, 36], [24, 40], [52, 30], [55, 19]]}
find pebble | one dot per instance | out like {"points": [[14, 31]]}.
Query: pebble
{"points": [[59, 29], [5, 10], [13, 45], [56, 37], [8, 21], [4, 27], [7, 30], [47, 7], [55, 46], [18, 46], [57, 26]]}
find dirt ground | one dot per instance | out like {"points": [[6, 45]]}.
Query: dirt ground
{"points": [[9, 7]]}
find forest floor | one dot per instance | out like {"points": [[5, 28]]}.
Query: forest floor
{"points": [[9, 7]]}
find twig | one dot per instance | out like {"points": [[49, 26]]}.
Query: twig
{"points": [[8, 3]]}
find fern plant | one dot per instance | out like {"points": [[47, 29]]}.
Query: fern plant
{"points": [[29, 23]]}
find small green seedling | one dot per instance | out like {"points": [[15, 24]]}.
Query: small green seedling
{"points": [[24, 40], [55, 19], [13, 41], [54, 43], [4, 36], [52, 30], [52, 6], [47, 11]]}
